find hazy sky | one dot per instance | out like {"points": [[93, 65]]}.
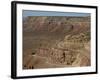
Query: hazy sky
{"points": [[51, 13]]}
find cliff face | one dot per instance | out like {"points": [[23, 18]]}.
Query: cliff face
{"points": [[56, 25], [56, 41]]}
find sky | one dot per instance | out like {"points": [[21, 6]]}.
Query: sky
{"points": [[51, 13]]}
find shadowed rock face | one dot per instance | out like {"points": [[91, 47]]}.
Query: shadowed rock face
{"points": [[54, 41]]}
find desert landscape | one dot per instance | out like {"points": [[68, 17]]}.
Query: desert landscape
{"points": [[56, 42]]}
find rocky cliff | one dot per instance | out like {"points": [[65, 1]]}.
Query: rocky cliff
{"points": [[56, 41]]}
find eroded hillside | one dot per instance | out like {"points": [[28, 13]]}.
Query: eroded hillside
{"points": [[56, 41]]}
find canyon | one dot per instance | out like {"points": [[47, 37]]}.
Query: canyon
{"points": [[56, 41]]}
